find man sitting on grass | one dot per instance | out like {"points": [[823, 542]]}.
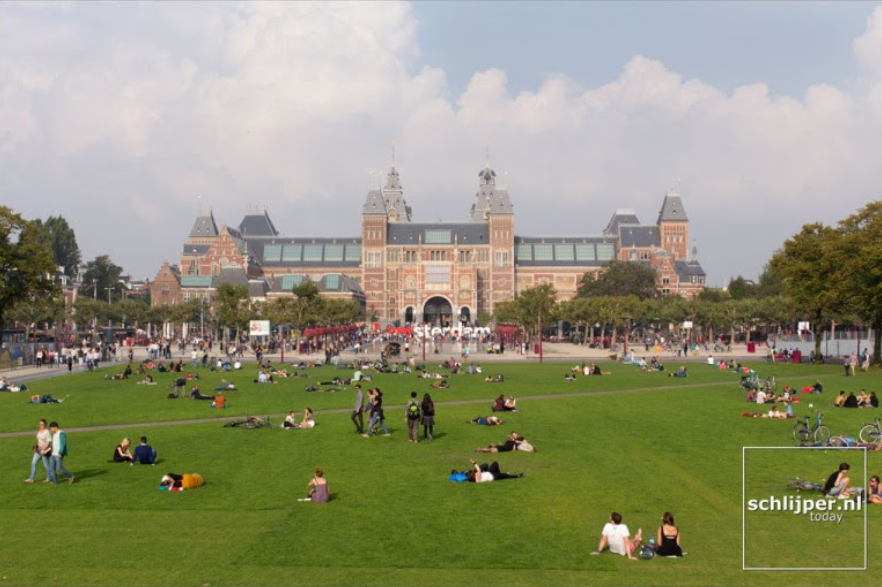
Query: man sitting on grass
{"points": [[619, 538]]}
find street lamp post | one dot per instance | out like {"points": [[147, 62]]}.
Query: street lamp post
{"points": [[109, 291]]}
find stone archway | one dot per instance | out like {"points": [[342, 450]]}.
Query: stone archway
{"points": [[408, 315], [465, 315], [437, 311]]}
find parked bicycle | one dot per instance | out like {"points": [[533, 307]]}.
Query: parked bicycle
{"points": [[804, 430], [871, 432]]}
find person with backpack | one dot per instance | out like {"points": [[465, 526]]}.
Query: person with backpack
{"points": [[413, 415]]}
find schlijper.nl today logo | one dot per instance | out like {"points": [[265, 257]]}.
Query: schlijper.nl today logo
{"points": [[790, 523]]}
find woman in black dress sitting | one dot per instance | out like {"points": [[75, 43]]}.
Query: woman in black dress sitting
{"points": [[668, 537]]}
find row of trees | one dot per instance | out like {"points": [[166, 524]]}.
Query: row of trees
{"points": [[825, 275]]}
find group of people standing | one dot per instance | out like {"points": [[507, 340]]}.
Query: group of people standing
{"points": [[416, 413]]}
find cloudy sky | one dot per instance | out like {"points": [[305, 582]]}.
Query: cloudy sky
{"points": [[125, 118]]}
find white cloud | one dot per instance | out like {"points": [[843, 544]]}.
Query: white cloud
{"points": [[290, 104]]}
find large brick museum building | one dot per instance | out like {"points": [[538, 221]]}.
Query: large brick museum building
{"points": [[426, 272]]}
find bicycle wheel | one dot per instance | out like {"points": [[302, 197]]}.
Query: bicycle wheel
{"points": [[869, 433], [800, 432], [822, 434]]}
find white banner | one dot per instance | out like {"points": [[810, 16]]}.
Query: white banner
{"points": [[687, 324], [259, 327]]}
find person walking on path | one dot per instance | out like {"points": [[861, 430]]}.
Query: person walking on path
{"points": [[42, 452], [59, 451], [358, 410]]}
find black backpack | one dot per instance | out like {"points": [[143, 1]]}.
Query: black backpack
{"points": [[413, 411]]}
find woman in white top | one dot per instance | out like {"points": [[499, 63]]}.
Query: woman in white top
{"points": [[484, 473]]}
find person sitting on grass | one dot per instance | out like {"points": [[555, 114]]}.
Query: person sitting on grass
{"points": [[499, 404], [511, 404], [488, 421], [224, 386], [851, 401], [874, 491], [121, 453], [318, 488], [837, 483], [290, 421], [840, 400], [668, 539], [617, 535], [220, 401], [497, 379], [144, 453], [441, 384], [511, 443], [308, 420], [681, 372], [148, 380]]}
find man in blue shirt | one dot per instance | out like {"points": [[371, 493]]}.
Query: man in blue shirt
{"points": [[145, 454]]}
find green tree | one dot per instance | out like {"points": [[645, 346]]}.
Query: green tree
{"points": [[229, 301], [533, 306], [740, 288], [57, 234], [101, 279], [858, 258], [805, 265], [770, 284], [26, 265], [620, 278]]}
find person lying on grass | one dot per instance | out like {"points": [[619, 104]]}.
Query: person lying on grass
{"points": [[175, 482], [511, 443], [482, 473], [488, 421]]}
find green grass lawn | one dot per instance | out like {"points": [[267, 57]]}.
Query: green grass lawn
{"points": [[637, 443]]}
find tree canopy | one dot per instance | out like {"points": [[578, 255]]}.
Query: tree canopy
{"points": [[101, 278], [620, 278], [57, 234], [26, 266]]}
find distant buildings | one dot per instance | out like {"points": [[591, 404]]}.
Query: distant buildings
{"points": [[426, 272]]}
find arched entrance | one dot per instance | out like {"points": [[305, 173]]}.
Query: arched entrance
{"points": [[408, 315], [465, 315], [437, 311]]}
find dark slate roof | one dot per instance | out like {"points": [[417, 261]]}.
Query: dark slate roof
{"points": [[393, 195], [639, 236], [230, 275], [672, 207], [255, 224], [688, 269], [464, 233], [374, 204], [257, 288], [621, 216], [204, 227], [195, 250], [491, 199], [338, 282]]}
